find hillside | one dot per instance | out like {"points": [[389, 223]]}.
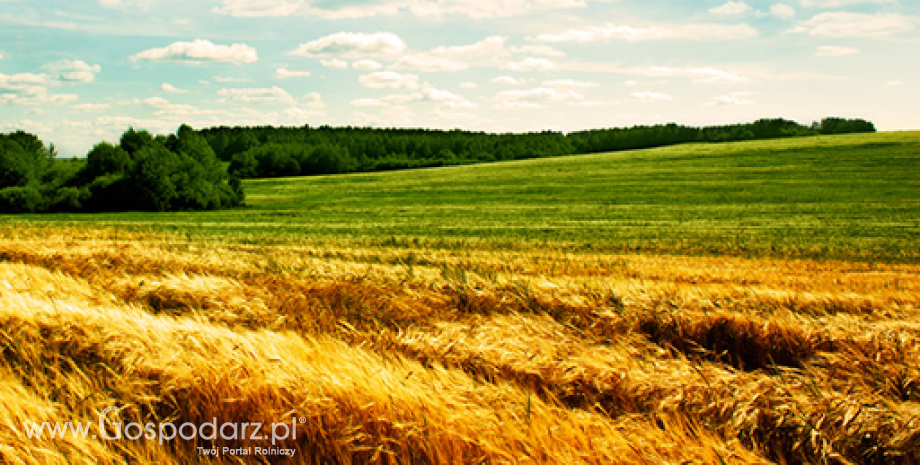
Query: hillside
{"points": [[846, 197], [485, 314]]}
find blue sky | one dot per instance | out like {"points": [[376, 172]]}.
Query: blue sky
{"points": [[83, 71]]}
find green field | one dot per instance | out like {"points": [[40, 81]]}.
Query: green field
{"points": [[854, 197]]}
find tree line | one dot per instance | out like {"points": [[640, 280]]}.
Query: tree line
{"points": [[266, 151], [201, 170], [163, 173]]}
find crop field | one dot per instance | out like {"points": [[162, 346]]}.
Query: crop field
{"points": [[753, 302]]}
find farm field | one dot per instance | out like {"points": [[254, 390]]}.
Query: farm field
{"points": [[752, 302]]}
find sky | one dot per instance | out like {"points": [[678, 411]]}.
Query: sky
{"points": [[83, 71]]}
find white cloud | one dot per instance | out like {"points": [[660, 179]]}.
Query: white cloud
{"points": [[284, 73], [272, 95], [735, 99], [334, 63], [509, 80], [259, 8], [651, 96], [839, 3], [446, 99], [387, 100], [200, 51], [458, 57], [389, 80], [164, 107], [428, 63], [531, 64], [709, 75], [354, 9], [534, 98], [312, 106], [74, 71], [29, 89], [489, 47], [88, 107], [353, 45], [571, 83], [141, 4], [782, 11], [314, 100], [468, 85], [643, 33], [488, 9], [1, 55], [895, 83], [731, 9], [835, 51], [366, 65], [846, 24], [226, 79], [171, 89]]}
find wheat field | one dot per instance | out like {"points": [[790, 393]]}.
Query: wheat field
{"points": [[421, 355]]}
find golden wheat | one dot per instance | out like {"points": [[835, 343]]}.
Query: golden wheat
{"points": [[393, 355]]}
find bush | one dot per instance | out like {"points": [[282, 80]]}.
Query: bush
{"points": [[21, 199]]}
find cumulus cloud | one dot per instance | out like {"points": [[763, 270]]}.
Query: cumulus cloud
{"points": [[489, 9], [387, 100], [271, 95], [284, 73], [353, 45], [731, 9], [735, 99], [171, 89], [73, 71], [839, 3], [34, 89], [142, 4], [389, 80], [445, 99], [489, 47], [835, 51], [164, 107], [259, 8], [643, 33], [709, 75], [90, 107], [509, 80], [428, 63], [353, 9], [457, 57], [334, 63], [651, 96], [571, 83], [531, 64], [29, 89], [366, 65], [782, 11], [544, 50], [200, 51], [847, 24], [534, 98], [311, 106]]}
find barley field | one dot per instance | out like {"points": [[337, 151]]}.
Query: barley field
{"points": [[761, 313]]}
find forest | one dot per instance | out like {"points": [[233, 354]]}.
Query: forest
{"points": [[258, 152], [202, 170]]}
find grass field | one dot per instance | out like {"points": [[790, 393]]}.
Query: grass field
{"points": [[736, 303]]}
